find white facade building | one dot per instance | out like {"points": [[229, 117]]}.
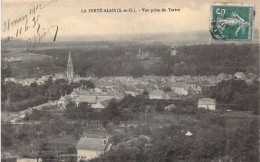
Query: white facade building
{"points": [[89, 148], [207, 103]]}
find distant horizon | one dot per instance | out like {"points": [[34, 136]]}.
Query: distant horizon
{"points": [[256, 34]]}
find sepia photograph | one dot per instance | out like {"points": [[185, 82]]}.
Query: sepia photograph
{"points": [[130, 81]]}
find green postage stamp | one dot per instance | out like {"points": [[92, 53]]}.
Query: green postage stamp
{"points": [[232, 22]]}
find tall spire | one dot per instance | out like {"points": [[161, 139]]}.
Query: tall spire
{"points": [[69, 60], [70, 72]]}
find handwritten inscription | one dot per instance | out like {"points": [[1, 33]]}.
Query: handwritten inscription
{"points": [[30, 22], [36, 38]]}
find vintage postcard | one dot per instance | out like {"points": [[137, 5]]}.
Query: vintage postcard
{"points": [[130, 80]]}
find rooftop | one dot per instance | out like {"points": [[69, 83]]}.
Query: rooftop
{"points": [[207, 101], [97, 144], [157, 92]]}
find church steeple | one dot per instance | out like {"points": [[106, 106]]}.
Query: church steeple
{"points": [[70, 72]]}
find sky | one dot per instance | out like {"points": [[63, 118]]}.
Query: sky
{"points": [[194, 15]]}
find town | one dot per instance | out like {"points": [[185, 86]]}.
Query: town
{"points": [[111, 112]]}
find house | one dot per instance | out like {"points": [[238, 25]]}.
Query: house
{"points": [[173, 52], [142, 55], [170, 107], [100, 105], [205, 84], [60, 76], [10, 80], [140, 88], [97, 90], [158, 94], [194, 86], [252, 76], [13, 59], [89, 148], [131, 90], [63, 101], [96, 97], [171, 95], [44, 79], [151, 86], [207, 103], [224, 76], [85, 99], [29, 160], [180, 88], [240, 75], [27, 81]]}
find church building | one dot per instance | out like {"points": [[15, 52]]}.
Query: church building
{"points": [[70, 72]]}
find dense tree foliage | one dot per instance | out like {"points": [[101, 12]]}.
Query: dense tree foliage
{"points": [[209, 141], [214, 59], [33, 140], [121, 59], [38, 115], [81, 112], [126, 108], [18, 97], [86, 84], [236, 95]]}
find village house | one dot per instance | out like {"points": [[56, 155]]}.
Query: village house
{"points": [[170, 107], [173, 52], [207, 103], [151, 86], [252, 76], [60, 76], [152, 78], [96, 97], [224, 76], [158, 94], [43, 79], [205, 84], [13, 59], [89, 148], [10, 80], [131, 90], [194, 86], [27, 81], [240, 75], [181, 88], [142, 55], [171, 95], [29, 160], [140, 87], [100, 105], [63, 101]]}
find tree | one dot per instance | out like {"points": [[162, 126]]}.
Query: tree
{"points": [[167, 89], [86, 84], [112, 112], [236, 95]]}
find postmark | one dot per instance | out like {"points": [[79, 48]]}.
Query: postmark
{"points": [[232, 22]]}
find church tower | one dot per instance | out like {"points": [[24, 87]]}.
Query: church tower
{"points": [[70, 72]]}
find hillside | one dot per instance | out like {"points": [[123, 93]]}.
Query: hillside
{"points": [[121, 59]]}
